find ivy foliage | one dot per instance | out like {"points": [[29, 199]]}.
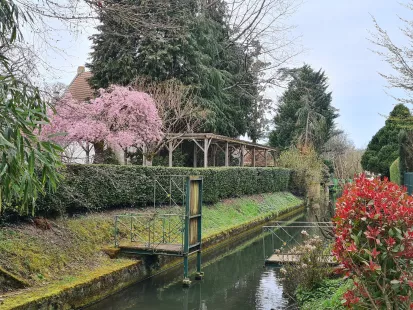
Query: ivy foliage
{"points": [[199, 52], [304, 114], [383, 149]]}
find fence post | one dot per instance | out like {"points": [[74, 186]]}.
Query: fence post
{"points": [[116, 231], [187, 281], [131, 237], [163, 230]]}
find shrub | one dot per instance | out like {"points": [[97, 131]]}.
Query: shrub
{"points": [[374, 244], [311, 269], [327, 294], [96, 187], [307, 169], [395, 172]]}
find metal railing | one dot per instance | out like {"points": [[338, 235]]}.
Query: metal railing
{"points": [[289, 234], [150, 229], [170, 190]]}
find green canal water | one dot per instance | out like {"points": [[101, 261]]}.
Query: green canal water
{"points": [[235, 278]]}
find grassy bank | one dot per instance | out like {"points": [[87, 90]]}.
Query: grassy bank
{"points": [[63, 249]]}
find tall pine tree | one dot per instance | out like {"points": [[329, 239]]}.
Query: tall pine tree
{"points": [[305, 115], [198, 52]]}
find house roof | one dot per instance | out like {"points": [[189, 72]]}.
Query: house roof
{"points": [[79, 87]]}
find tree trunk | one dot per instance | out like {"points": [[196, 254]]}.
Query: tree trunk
{"points": [[87, 151], [99, 154], [306, 130], [125, 156]]}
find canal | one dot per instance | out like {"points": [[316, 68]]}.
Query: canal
{"points": [[235, 278]]}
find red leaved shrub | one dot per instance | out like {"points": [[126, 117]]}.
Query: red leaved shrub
{"points": [[374, 244]]}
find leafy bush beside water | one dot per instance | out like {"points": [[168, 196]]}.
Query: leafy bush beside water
{"points": [[327, 295], [374, 244], [311, 269], [307, 169]]}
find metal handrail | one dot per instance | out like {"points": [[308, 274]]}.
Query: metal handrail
{"points": [[283, 225], [150, 234]]}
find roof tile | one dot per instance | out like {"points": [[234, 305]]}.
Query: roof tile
{"points": [[80, 88]]}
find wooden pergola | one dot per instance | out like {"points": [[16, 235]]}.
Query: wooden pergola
{"points": [[211, 144]]}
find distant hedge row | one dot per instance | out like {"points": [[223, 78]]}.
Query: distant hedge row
{"points": [[96, 187]]}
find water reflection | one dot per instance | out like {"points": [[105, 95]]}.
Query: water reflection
{"points": [[237, 281], [269, 292]]}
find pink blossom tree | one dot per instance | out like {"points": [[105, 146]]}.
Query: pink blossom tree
{"points": [[119, 117], [68, 123]]}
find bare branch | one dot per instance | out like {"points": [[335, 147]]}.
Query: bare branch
{"points": [[399, 58], [176, 108]]}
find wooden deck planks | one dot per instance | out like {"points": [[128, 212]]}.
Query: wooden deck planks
{"points": [[162, 247]]}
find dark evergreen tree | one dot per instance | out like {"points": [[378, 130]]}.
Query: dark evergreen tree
{"points": [[198, 52], [383, 149], [304, 113]]}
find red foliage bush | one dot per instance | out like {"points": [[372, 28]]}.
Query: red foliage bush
{"points": [[374, 244]]}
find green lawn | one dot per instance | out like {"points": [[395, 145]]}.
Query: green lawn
{"points": [[233, 212]]}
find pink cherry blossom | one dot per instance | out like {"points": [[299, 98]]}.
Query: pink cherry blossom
{"points": [[119, 116]]}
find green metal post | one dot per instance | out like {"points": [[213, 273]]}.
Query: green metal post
{"points": [[149, 231], [198, 261], [186, 267], [116, 231], [131, 229], [163, 230], [186, 281], [263, 243], [153, 230], [169, 230], [187, 211], [199, 274], [272, 241]]}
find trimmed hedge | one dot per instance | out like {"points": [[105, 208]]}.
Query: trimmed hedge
{"points": [[97, 187], [395, 172]]}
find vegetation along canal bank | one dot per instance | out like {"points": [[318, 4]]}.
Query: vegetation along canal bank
{"points": [[234, 279], [61, 262]]}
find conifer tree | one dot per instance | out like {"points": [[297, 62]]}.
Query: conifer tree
{"points": [[305, 115], [199, 52], [383, 148]]}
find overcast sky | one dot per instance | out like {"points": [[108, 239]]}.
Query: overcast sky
{"points": [[335, 34]]}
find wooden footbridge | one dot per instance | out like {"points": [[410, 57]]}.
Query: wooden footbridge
{"points": [[157, 233]]}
